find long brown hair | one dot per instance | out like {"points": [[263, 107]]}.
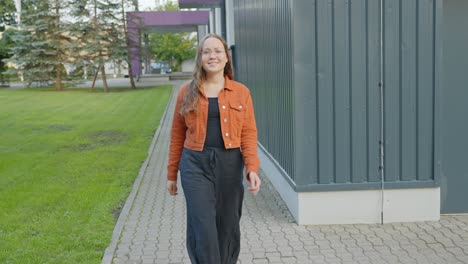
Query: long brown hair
{"points": [[190, 100]]}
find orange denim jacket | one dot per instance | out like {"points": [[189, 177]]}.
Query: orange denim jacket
{"points": [[237, 126]]}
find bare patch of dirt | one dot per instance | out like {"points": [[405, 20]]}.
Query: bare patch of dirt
{"points": [[109, 137], [116, 211], [100, 139], [60, 127]]}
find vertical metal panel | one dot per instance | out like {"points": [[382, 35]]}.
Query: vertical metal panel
{"points": [[325, 92], [358, 82], [263, 31], [373, 91], [342, 73], [408, 86], [305, 92], [426, 87], [392, 90], [438, 91]]}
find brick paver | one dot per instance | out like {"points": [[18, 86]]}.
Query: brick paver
{"points": [[151, 228]]}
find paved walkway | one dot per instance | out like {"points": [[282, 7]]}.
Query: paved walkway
{"points": [[151, 228]]}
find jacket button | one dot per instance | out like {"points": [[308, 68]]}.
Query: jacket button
{"points": [[225, 120], [227, 134], [240, 106], [224, 107], [230, 144]]}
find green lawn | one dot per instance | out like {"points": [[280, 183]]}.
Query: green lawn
{"points": [[68, 160]]}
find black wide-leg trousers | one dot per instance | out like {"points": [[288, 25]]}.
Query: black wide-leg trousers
{"points": [[212, 183]]}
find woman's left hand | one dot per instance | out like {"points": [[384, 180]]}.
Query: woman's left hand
{"points": [[171, 187], [254, 183]]}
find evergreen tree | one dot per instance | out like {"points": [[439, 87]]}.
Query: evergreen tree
{"points": [[6, 44], [7, 14], [40, 43], [7, 18]]}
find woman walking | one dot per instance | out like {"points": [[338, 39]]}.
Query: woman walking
{"points": [[213, 137]]}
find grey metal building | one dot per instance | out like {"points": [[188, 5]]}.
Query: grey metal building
{"points": [[360, 104]]}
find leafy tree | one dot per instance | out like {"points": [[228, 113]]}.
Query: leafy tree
{"points": [[169, 6], [173, 47]]}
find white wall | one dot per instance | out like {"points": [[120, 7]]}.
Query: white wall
{"points": [[188, 65]]}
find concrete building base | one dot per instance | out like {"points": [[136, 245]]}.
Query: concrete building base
{"points": [[356, 206]]}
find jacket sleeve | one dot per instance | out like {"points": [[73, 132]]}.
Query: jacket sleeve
{"points": [[249, 138], [177, 139]]}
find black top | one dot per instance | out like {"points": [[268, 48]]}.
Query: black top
{"points": [[214, 137]]}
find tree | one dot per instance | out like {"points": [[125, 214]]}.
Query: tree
{"points": [[60, 41], [173, 47], [6, 44], [124, 52], [7, 18], [40, 44], [169, 6], [98, 34], [7, 14]]}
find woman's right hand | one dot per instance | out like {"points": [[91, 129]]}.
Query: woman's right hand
{"points": [[172, 187]]}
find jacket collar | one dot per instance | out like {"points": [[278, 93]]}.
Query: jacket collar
{"points": [[228, 84]]}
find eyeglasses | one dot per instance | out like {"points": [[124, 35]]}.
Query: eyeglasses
{"points": [[210, 52]]}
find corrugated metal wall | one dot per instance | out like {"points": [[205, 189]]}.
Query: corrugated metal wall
{"points": [[263, 43], [334, 59], [411, 74], [337, 76]]}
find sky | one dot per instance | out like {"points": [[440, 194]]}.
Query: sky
{"points": [[144, 4]]}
